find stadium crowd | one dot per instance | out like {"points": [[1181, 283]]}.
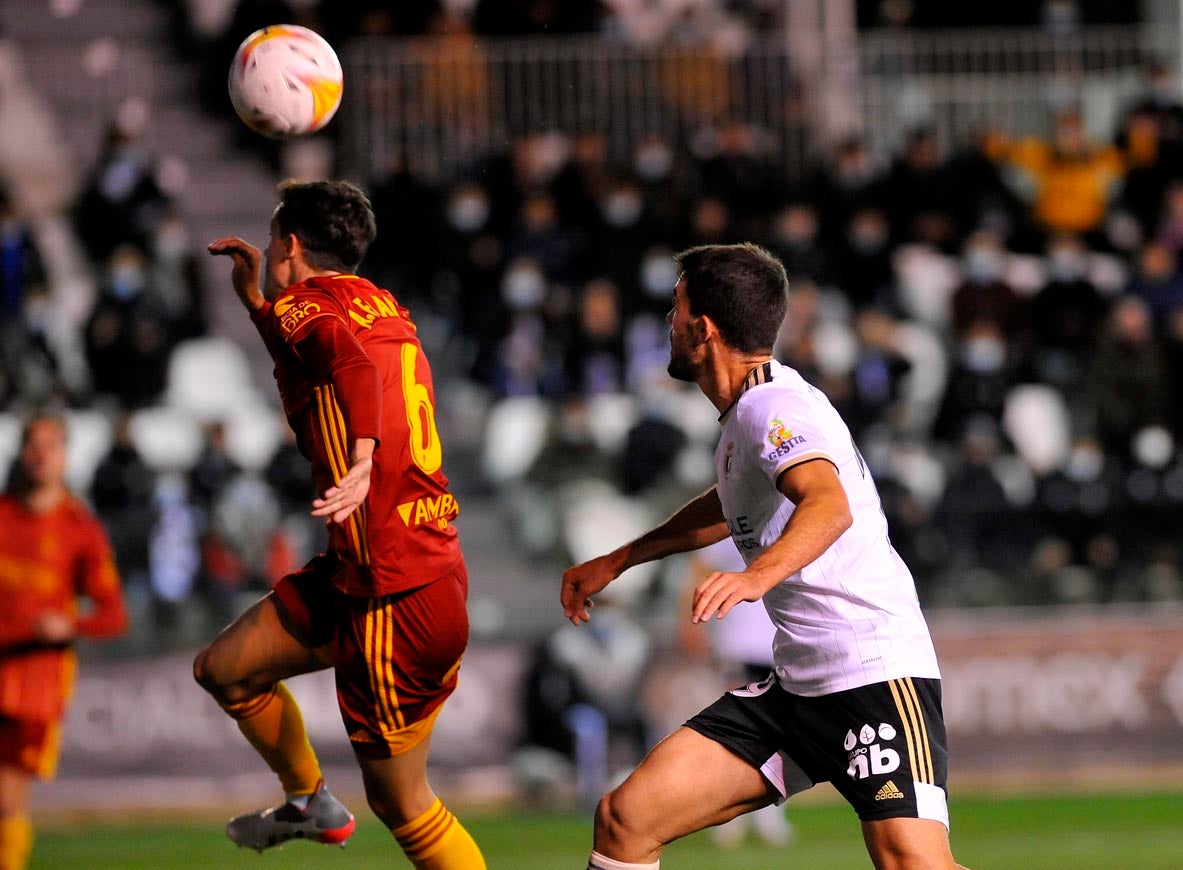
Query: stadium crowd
{"points": [[1002, 327]]}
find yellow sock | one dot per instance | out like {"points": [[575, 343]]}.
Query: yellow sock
{"points": [[437, 841], [16, 842], [273, 725]]}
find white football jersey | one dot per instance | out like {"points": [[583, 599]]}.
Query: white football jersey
{"points": [[851, 617], [746, 635]]}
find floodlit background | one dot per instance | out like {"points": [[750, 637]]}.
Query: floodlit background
{"points": [[980, 206]]}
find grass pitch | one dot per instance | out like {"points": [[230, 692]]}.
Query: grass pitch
{"points": [[1054, 833]]}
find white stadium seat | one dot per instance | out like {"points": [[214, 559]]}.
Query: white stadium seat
{"points": [[210, 379], [596, 518], [515, 433], [167, 439], [89, 438], [1035, 418]]}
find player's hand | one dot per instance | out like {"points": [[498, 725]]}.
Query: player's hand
{"points": [[53, 626], [581, 582], [245, 274], [341, 500], [721, 591]]}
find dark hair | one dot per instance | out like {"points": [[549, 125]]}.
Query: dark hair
{"points": [[742, 288], [332, 219]]}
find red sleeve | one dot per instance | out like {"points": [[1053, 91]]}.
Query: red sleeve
{"points": [[330, 349], [98, 580]]}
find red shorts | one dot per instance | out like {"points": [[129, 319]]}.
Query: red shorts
{"points": [[396, 656], [30, 745]]}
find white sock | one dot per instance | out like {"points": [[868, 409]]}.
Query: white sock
{"points": [[600, 862]]}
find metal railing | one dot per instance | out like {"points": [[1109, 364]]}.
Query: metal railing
{"points": [[440, 105]]}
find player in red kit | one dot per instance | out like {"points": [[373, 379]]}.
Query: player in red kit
{"points": [[52, 552], [385, 606]]}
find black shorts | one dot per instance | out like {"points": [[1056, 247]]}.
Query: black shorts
{"points": [[882, 746]]}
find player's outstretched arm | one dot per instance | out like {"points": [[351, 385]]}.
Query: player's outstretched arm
{"points": [[696, 524], [245, 274]]}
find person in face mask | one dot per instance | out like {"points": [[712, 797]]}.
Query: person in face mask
{"points": [[1065, 315], [795, 241], [984, 294], [865, 263], [127, 341], [126, 274]]}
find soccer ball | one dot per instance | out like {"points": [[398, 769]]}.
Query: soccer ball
{"points": [[285, 81]]}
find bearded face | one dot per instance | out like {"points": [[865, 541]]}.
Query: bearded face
{"points": [[683, 364]]}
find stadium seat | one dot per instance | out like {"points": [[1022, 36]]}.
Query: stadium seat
{"points": [[210, 379], [610, 416], [515, 434], [253, 433], [1035, 418], [166, 438], [688, 409], [89, 438], [596, 518], [10, 442]]}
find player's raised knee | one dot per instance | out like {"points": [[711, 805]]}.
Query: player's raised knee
{"points": [[215, 679], [202, 672]]}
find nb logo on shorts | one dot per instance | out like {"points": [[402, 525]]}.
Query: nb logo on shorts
{"points": [[888, 792], [868, 758]]}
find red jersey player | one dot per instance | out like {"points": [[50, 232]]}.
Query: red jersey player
{"points": [[385, 606], [52, 552]]}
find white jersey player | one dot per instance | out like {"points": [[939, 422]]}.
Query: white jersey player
{"points": [[855, 698], [850, 617]]}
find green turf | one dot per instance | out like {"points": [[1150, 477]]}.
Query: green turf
{"points": [[1081, 833]]}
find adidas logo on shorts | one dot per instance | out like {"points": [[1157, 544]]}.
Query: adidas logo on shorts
{"points": [[888, 792]]}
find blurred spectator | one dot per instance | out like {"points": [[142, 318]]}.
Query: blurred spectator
{"points": [[173, 556], [28, 367], [742, 177], [1129, 378], [127, 340], [1173, 356], [213, 470], [1065, 316], [864, 267], [581, 696], [121, 204], [595, 353], [122, 492], [982, 526], [1157, 282], [984, 295], [1073, 178], [795, 240], [916, 193], [177, 283]]}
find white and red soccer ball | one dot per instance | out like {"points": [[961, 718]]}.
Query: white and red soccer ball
{"points": [[285, 81]]}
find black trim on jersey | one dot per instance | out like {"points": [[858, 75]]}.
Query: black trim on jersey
{"points": [[761, 374]]}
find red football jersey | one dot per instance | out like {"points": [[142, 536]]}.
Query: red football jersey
{"points": [[47, 562], [349, 365]]}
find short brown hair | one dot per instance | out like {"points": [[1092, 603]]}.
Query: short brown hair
{"points": [[742, 288], [332, 219]]}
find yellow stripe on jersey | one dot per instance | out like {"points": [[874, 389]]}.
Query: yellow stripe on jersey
{"points": [[911, 689], [335, 451], [361, 514]]}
